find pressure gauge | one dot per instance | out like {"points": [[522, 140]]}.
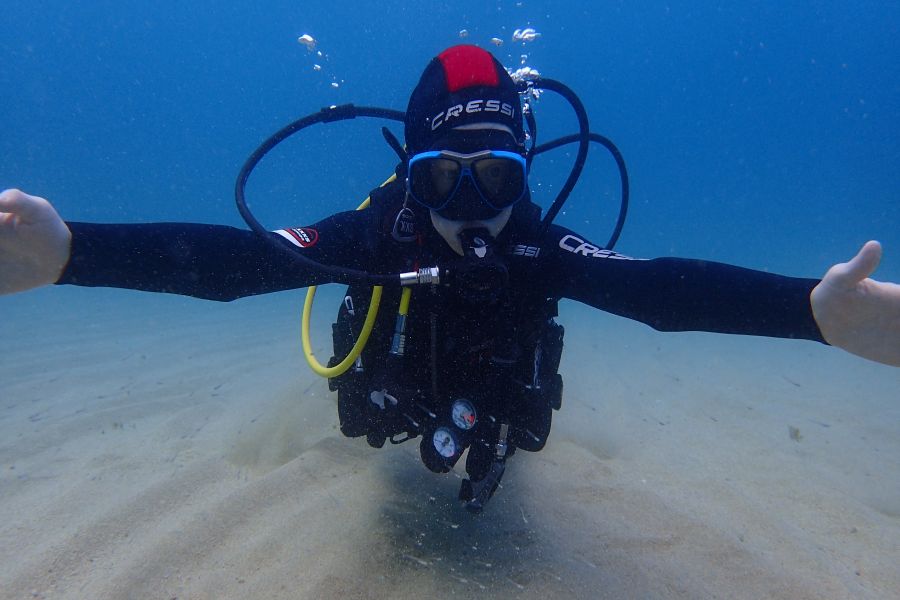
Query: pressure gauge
{"points": [[444, 442], [463, 414]]}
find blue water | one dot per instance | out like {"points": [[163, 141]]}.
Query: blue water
{"points": [[763, 134], [760, 133]]}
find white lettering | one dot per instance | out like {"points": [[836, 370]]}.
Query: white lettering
{"points": [[586, 249], [473, 106], [576, 245], [566, 238], [526, 251]]}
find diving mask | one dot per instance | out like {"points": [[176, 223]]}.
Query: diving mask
{"points": [[497, 176]]}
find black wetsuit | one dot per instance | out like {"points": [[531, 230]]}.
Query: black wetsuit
{"points": [[224, 263], [501, 354]]}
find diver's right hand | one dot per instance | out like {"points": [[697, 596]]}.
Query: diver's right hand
{"points": [[35, 243]]}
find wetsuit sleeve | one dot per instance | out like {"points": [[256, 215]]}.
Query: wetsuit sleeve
{"points": [[675, 294], [211, 261]]}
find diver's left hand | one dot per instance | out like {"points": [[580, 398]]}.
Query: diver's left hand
{"points": [[859, 314]]}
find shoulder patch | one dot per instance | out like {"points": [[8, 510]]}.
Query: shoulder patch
{"points": [[302, 237]]}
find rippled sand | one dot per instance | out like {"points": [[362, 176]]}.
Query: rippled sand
{"points": [[159, 447]]}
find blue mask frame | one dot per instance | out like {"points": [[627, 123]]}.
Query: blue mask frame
{"points": [[422, 187]]}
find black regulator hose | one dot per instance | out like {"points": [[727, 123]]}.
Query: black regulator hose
{"points": [[326, 115], [349, 111], [583, 138], [533, 132], [623, 175]]}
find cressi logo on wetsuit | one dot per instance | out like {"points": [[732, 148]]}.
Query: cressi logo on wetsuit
{"points": [[576, 245]]}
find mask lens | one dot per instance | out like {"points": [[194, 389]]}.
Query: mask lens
{"points": [[501, 180], [433, 180], [444, 176], [435, 177]]}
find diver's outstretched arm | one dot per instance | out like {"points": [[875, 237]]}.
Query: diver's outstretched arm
{"points": [[845, 309], [35, 243], [214, 262], [858, 314]]}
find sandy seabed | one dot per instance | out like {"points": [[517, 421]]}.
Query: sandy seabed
{"points": [[154, 447]]}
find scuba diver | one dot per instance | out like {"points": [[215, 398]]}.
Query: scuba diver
{"points": [[469, 361]]}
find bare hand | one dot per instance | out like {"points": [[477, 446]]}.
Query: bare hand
{"points": [[34, 242], [859, 314]]}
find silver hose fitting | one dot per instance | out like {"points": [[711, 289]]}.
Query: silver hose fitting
{"points": [[430, 275], [398, 342]]}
